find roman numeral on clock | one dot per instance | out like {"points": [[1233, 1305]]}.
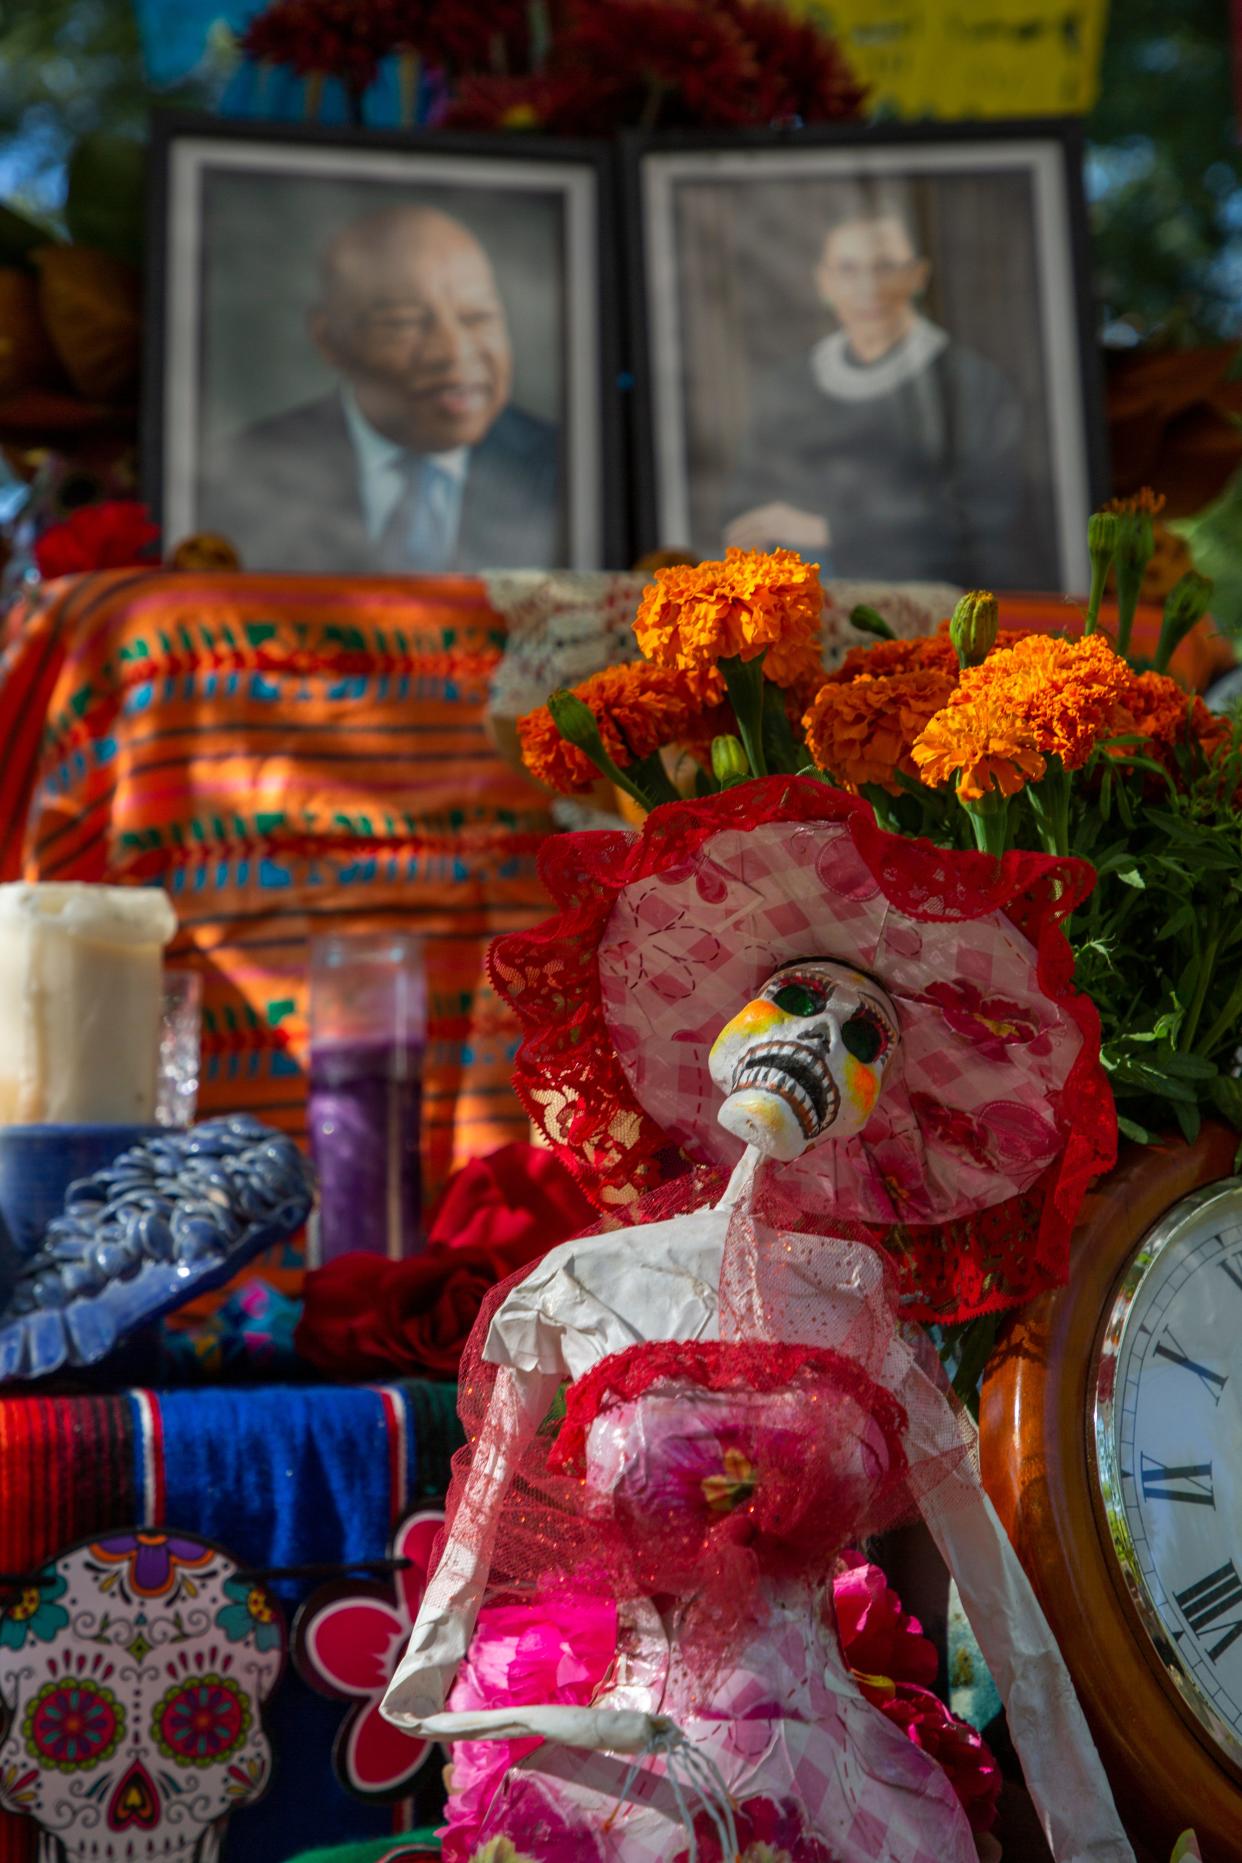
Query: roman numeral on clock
{"points": [[1233, 1268], [1170, 1349], [1207, 1600], [1190, 1482]]}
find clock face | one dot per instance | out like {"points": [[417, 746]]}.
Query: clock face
{"points": [[1168, 1443]]}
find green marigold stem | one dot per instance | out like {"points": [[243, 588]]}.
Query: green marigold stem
{"points": [[1050, 805], [1136, 543], [989, 820], [744, 683], [1101, 547]]}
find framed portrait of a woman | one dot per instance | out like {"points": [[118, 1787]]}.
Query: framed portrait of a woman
{"points": [[872, 346]]}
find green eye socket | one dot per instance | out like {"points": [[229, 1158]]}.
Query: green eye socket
{"points": [[797, 999], [863, 1038]]}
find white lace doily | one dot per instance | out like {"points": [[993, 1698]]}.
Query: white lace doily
{"points": [[566, 625]]}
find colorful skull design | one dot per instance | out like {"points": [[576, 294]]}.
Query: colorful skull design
{"points": [[805, 1059], [133, 1671]]}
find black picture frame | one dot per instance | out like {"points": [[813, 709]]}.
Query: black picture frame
{"points": [[581, 174], [1076, 439]]}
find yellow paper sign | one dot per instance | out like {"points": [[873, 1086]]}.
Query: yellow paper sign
{"points": [[958, 59]]}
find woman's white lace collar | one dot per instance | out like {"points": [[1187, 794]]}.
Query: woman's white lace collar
{"points": [[837, 375]]}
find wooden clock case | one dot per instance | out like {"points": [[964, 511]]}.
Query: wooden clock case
{"points": [[1037, 1459]]}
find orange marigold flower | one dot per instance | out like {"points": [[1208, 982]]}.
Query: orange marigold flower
{"points": [[864, 731], [751, 603], [638, 708], [1063, 696], [927, 652], [934, 652], [978, 741], [1158, 708], [1145, 503]]}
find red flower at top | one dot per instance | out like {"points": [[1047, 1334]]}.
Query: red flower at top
{"points": [[454, 35], [337, 38], [802, 73], [118, 534]]}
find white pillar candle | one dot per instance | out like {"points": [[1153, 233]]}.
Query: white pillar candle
{"points": [[80, 1001]]}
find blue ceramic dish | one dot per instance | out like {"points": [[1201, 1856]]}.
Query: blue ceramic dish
{"points": [[171, 1217], [37, 1166]]}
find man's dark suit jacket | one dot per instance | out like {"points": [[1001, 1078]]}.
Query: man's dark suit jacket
{"points": [[286, 494]]}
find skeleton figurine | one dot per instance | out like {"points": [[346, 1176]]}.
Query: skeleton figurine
{"points": [[805, 1058], [781, 1723]]}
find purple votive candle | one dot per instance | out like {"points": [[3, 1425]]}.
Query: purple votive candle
{"points": [[368, 1017]]}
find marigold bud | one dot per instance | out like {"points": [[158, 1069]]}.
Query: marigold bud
{"points": [[974, 626], [729, 761], [1188, 599], [575, 721], [1136, 539], [1102, 535], [1184, 606]]}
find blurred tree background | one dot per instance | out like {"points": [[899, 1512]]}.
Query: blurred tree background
{"points": [[67, 68], [1164, 172]]}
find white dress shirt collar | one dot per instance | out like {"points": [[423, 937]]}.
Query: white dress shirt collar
{"points": [[383, 465]]}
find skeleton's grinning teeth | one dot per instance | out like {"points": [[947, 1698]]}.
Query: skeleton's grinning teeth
{"points": [[797, 1074]]}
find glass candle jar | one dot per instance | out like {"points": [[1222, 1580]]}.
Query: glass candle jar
{"points": [[368, 1018]]}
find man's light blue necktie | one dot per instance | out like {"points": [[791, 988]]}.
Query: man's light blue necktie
{"points": [[420, 533]]}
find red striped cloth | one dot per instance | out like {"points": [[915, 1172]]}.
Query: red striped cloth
{"points": [[278, 1477]]}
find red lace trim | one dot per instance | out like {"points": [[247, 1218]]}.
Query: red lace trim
{"points": [[571, 1082], [718, 1365]]}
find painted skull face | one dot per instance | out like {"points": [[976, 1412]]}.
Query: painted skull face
{"points": [[805, 1059], [133, 1671]]}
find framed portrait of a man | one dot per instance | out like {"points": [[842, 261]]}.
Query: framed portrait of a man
{"points": [[382, 356], [870, 346]]}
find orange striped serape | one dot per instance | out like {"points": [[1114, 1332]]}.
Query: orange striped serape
{"points": [[284, 755]]}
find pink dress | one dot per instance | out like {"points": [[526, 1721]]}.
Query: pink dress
{"points": [[721, 1499]]}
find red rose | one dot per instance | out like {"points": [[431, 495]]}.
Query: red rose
{"points": [[117, 534], [519, 1197], [878, 1637], [964, 1754], [365, 1317]]}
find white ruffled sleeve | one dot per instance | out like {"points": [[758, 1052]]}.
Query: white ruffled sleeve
{"points": [[1063, 1773], [441, 1635]]}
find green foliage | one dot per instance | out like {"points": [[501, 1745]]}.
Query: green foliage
{"points": [[68, 68], [1215, 540], [1166, 172], [104, 203], [1159, 943]]}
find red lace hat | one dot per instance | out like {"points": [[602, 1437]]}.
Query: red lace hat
{"points": [[992, 1121]]}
